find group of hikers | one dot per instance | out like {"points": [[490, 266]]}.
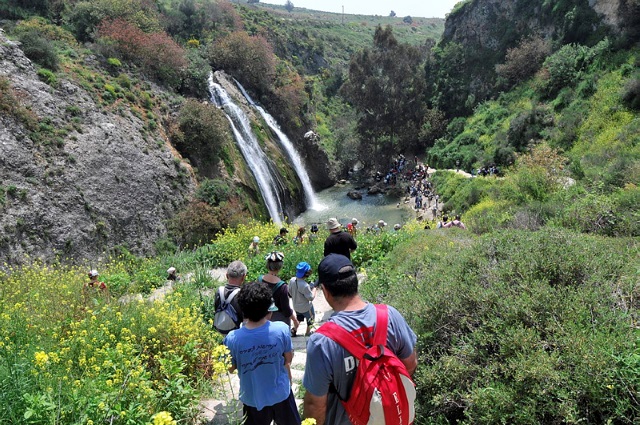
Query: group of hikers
{"points": [[260, 341]]}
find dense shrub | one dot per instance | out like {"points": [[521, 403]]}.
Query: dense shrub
{"points": [[213, 192], [524, 60], [155, 52], [249, 59], [203, 130], [39, 49], [568, 65], [518, 327], [85, 16]]}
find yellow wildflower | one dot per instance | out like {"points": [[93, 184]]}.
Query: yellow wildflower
{"points": [[41, 359], [163, 418]]}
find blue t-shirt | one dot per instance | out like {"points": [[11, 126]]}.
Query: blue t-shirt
{"points": [[258, 355], [328, 363]]}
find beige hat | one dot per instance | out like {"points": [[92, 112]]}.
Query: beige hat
{"points": [[333, 224]]}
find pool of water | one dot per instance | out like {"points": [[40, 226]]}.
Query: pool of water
{"points": [[334, 202]]}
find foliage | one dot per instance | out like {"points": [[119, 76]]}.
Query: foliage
{"points": [[524, 60], [39, 49], [194, 79], [10, 104], [203, 130], [501, 325], [48, 76], [68, 359], [386, 89], [569, 64], [156, 52], [86, 16], [249, 59]]}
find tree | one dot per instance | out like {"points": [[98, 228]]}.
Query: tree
{"points": [[407, 20], [250, 59], [202, 131], [289, 6], [386, 87], [392, 14]]}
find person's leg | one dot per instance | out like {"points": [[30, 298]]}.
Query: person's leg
{"points": [[286, 412], [258, 417], [309, 316]]}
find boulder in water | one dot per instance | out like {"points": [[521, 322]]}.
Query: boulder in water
{"points": [[354, 195], [376, 189]]}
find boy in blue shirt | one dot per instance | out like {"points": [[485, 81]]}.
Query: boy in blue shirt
{"points": [[262, 352]]}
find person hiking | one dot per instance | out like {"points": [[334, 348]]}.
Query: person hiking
{"points": [[300, 237], [302, 295], [236, 275], [94, 288], [262, 353], [338, 242], [455, 223], [443, 223], [281, 239], [279, 290], [254, 248], [330, 370]]}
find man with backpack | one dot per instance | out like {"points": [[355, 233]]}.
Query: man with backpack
{"points": [[228, 315], [336, 372]]}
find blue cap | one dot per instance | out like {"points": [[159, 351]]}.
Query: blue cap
{"points": [[302, 268]]}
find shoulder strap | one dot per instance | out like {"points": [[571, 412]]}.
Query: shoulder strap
{"points": [[350, 342], [233, 295], [221, 294], [278, 285]]}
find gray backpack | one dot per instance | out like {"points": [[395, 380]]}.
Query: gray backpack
{"points": [[225, 318]]}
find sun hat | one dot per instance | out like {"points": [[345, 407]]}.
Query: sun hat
{"points": [[396, 226], [302, 268], [333, 223], [381, 223], [334, 267], [354, 220], [274, 256], [256, 239], [93, 273], [171, 270]]}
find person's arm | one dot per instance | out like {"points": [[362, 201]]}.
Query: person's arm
{"points": [[288, 358], [315, 407], [411, 363]]}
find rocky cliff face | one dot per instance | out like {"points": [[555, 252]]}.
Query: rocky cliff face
{"points": [[99, 183]]}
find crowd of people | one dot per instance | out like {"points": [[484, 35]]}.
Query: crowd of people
{"points": [[269, 312]]}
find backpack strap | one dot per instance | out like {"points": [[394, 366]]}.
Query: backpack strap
{"points": [[353, 344], [232, 295], [275, 288]]}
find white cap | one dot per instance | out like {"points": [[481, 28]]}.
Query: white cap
{"points": [[171, 270], [354, 220], [93, 273], [381, 223], [256, 239]]}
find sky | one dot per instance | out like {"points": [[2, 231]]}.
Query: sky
{"points": [[413, 8]]}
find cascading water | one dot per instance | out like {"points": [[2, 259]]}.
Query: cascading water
{"points": [[294, 157], [258, 162]]}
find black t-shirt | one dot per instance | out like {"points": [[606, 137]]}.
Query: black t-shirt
{"points": [[340, 243]]}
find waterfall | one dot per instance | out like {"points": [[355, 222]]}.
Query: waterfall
{"points": [[294, 157], [257, 160]]}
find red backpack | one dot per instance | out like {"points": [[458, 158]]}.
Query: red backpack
{"points": [[383, 392]]}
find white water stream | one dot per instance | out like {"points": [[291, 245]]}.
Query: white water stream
{"points": [[294, 157], [256, 159]]}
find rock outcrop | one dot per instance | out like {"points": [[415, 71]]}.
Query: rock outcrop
{"points": [[102, 181]]}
